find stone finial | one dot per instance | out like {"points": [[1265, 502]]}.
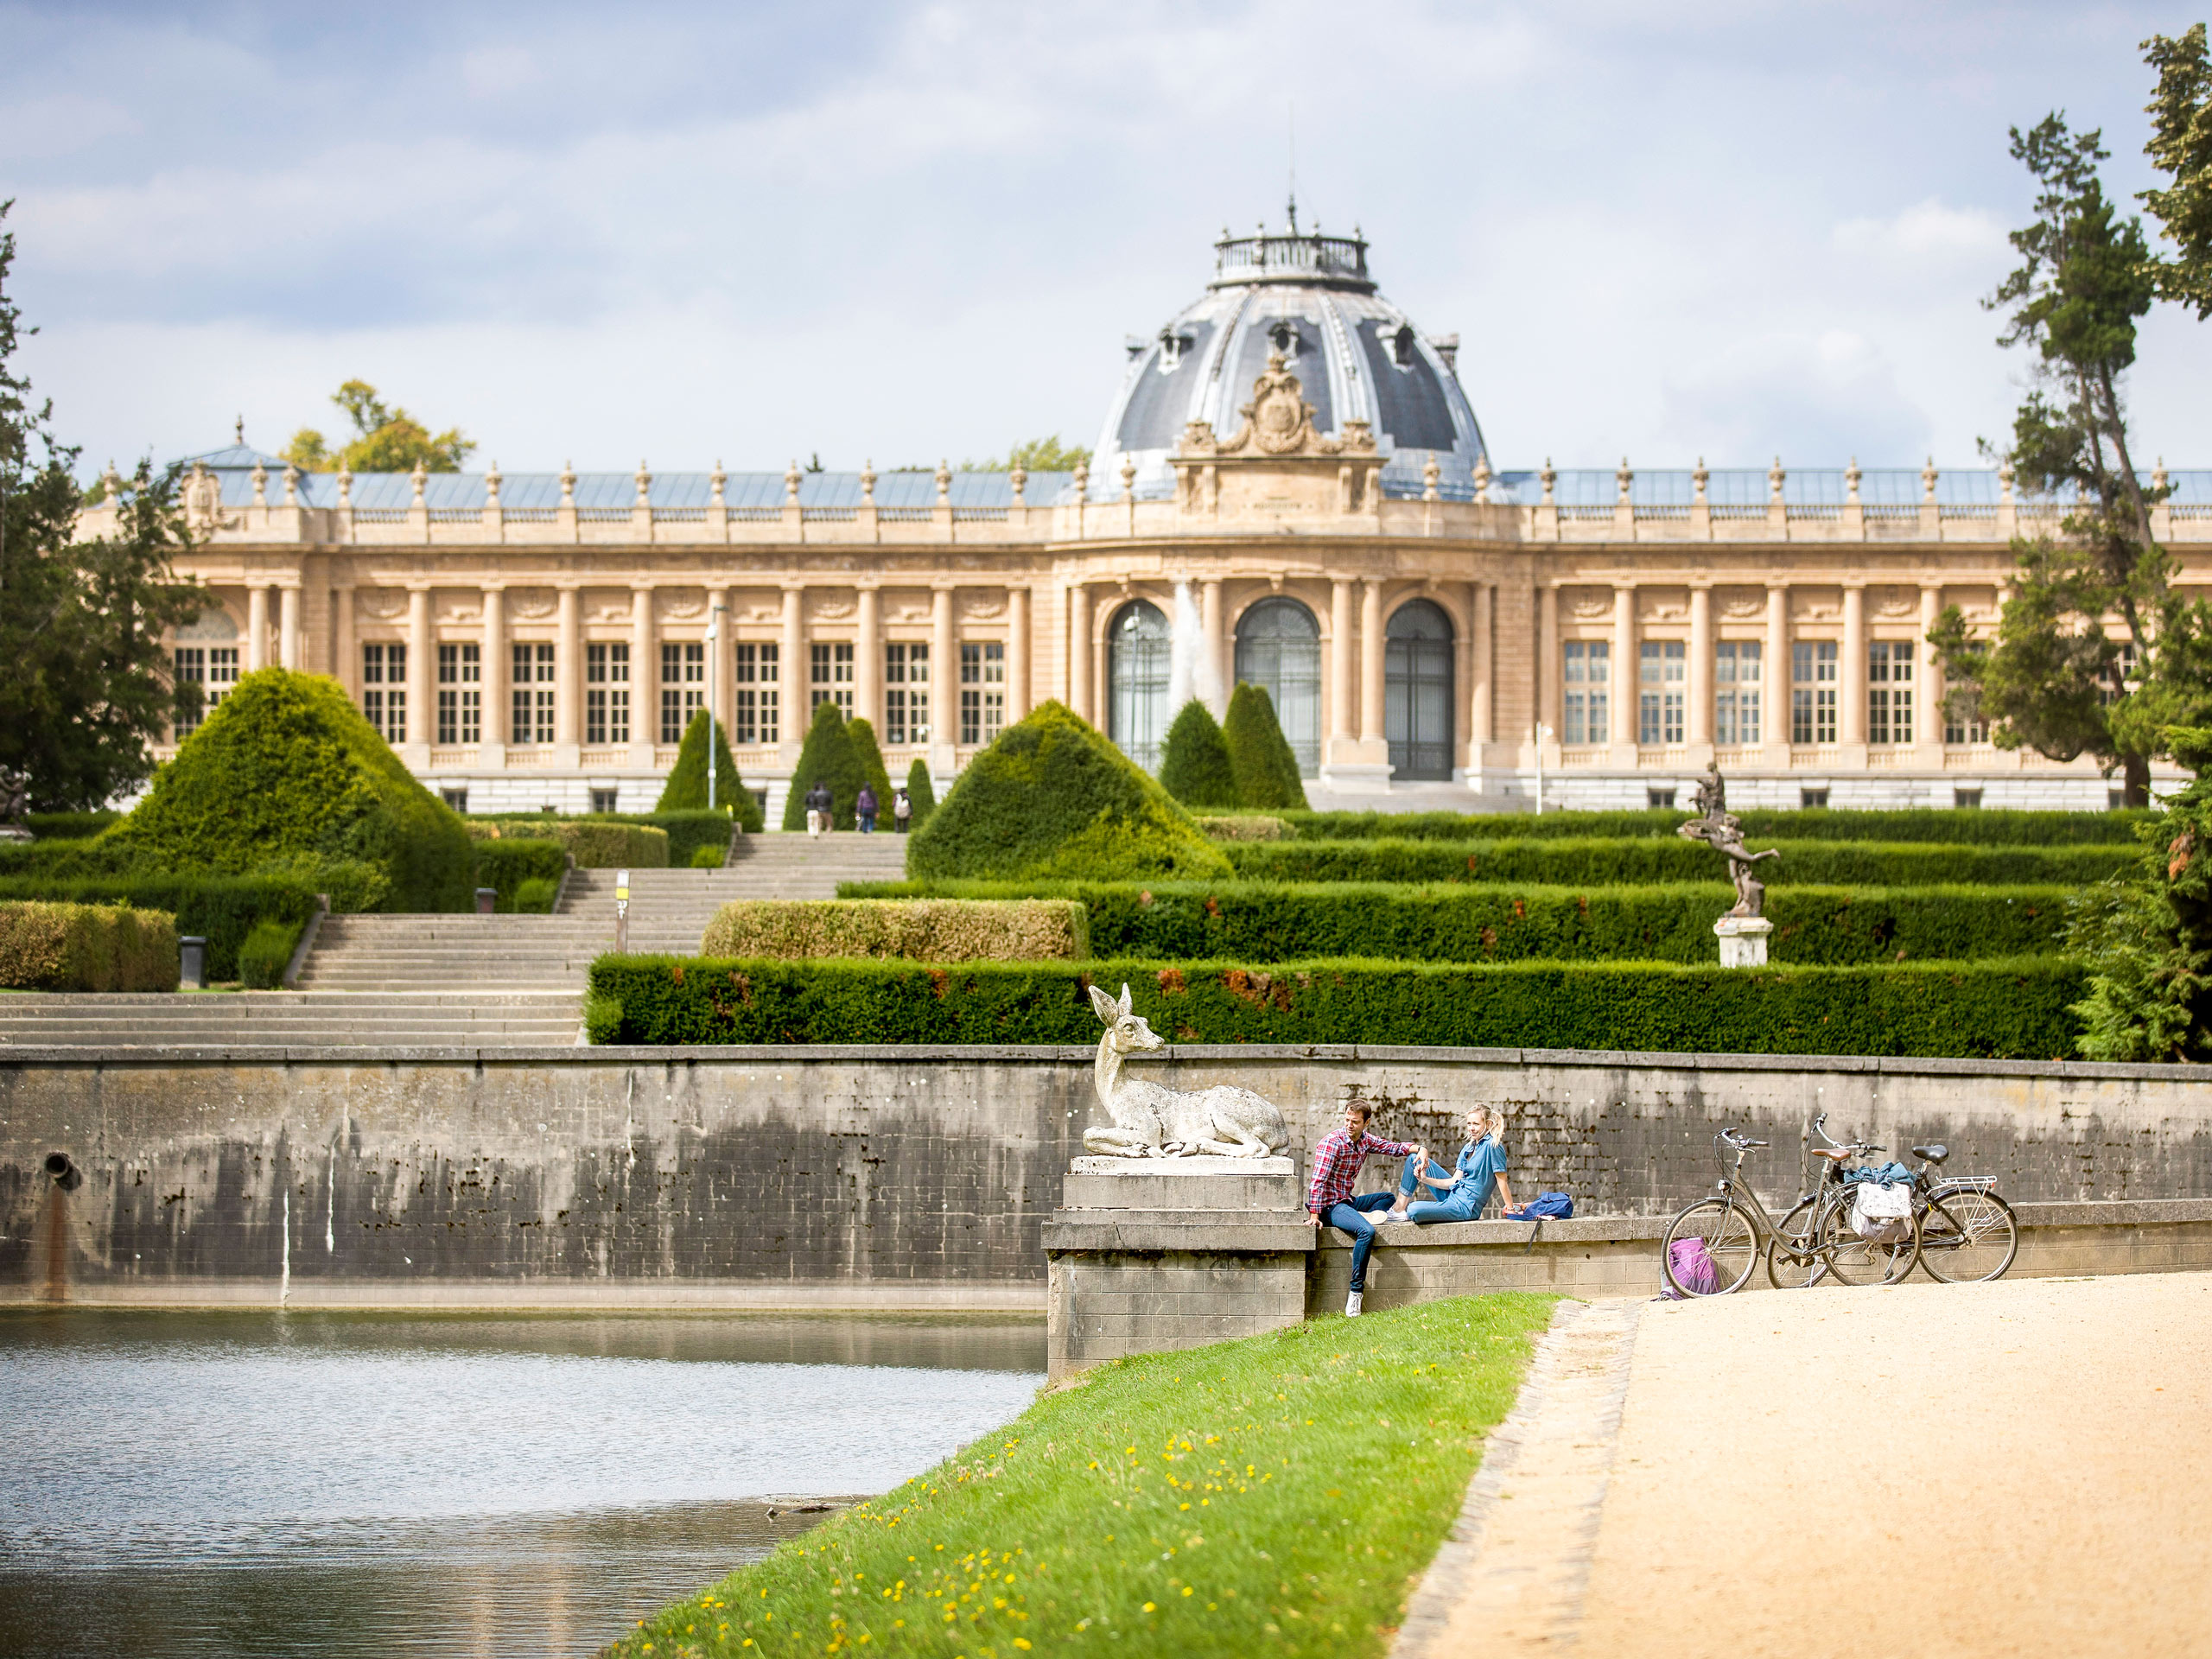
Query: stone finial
{"points": [[645, 483], [239, 429], [345, 485], [291, 484], [1775, 476], [790, 483], [1623, 478], [1927, 482], [2005, 483], [1429, 473], [1851, 477], [944, 484], [1481, 481], [1083, 480], [568, 485], [1550, 477], [416, 477], [1128, 477], [1018, 481], [2159, 475], [260, 485], [112, 481], [868, 483], [715, 480], [492, 486]]}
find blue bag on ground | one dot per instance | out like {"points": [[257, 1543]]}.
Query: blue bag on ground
{"points": [[1545, 1206]]}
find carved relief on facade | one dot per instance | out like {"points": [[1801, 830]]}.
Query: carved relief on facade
{"points": [[460, 608], [1589, 603], [982, 605], [606, 605], [1739, 604], [1893, 602], [380, 604], [680, 604], [530, 604], [1662, 604], [1278, 421], [905, 605], [1815, 604], [828, 607]]}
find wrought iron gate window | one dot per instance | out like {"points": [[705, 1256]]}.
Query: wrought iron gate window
{"points": [[1136, 677], [1417, 691], [1279, 650]]}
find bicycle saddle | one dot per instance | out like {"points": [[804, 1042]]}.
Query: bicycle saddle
{"points": [[1934, 1154]]}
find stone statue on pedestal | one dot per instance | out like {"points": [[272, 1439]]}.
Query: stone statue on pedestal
{"points": [[1152, 1122], [1742, 931]]}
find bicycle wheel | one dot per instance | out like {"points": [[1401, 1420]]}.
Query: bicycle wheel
{"points": [[1857, 1261], [1793, 1261], [1731, 1239], [1968, 1238]]}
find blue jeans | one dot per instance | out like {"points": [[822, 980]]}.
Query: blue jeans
{"points": [[868, 823], [1427, 1211], [1351, 1217]]}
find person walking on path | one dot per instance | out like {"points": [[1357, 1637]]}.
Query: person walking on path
{"points": [[1465, 1189], [864, 809], [1329, 1202], [819, 808], [902, 809]]}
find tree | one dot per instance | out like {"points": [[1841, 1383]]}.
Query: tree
{"points": [[2181, 148], [921, 793], [1194, 760], [386, 439], [88, 683], [827, 757], [870, 755], [2058, 677], [1260, 757], [1038, 455], [686, 788]]}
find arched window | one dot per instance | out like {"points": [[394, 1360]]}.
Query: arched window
{"points": [[1417, 691], [1279, 650], [1136, 678]]}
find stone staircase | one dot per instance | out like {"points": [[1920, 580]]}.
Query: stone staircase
{"points": [[292, 1020], [794, 865]]}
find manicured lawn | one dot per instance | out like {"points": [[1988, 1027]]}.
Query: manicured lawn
{"points": [[1278, 1495]]}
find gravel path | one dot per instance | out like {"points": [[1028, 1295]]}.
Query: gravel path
{"points": [[2017, 1469]]}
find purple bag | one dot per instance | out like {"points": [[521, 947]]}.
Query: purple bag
{"points": [[1693, 1269]]}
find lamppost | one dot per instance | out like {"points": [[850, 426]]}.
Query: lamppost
{"points": [[1543, 735], [713, 633]]}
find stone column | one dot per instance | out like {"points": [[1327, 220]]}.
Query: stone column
{"points": [[1370, 670], [1340, 650], [944, 687], [724, 670], [567, 678], [1697, 712], [1547, 663], [867, 662], [421, 716], [1774, 705], [493, 644], [1483, 667], [288, 625], [348, 668], [1017, 654], [1216, 672], [1078, 650], [1850, 670], [256, 627], [794, 676], [1625, 667], [1928, 725], [645, 678]]}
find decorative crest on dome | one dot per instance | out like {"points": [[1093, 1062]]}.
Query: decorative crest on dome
{"points": [[1278, 421]]}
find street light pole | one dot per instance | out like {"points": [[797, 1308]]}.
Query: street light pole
{"points": [[713, 633], [1542, 732]]}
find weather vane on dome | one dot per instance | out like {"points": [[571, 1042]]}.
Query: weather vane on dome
{"points": [[1293, 166]]}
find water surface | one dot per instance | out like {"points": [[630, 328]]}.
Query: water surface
{"points": [[342, 1484]]}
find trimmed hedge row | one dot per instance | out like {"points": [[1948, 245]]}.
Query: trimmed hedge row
{"points": [[2009, 1010], [918, 930], [1167, 922], [220, 909], [1615, 863], [69, 826], [504, 865], [687, 831], [1951, 826], [66, 857], [66, 947]]}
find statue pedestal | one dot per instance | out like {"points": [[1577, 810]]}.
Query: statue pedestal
{"points": [[1743, 940]]}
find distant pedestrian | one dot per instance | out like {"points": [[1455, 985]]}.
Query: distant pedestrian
{"points": [[902, 809], [819, 808], [1329, 1202], [864, 806]]}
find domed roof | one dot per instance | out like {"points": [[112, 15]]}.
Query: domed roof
{"points": [[1357, 357]]}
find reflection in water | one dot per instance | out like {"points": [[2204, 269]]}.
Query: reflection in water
{"points": [[342, 1484]]}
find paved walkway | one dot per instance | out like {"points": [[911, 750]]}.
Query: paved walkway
{"points": [[2018, 1468]]}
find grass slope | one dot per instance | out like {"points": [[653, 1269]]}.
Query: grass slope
{"points": [[1281, 1494]]}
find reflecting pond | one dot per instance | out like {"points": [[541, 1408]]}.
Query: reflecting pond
{"points": [[340, 1484]]}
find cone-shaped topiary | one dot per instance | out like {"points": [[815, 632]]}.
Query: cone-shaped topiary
{"points": [[826, 758], [286, 769], [1259, 756], [1194, 760], [1052, 799], [920, 792], [871, 760], [686, 789]]}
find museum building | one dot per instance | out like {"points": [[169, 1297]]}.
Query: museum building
{"points": [[1290, 488]]}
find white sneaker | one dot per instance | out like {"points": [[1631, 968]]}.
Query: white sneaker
{"points": [[1351, 1306]]}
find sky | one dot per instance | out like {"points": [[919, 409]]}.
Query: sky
{"points": [[897, 232]]}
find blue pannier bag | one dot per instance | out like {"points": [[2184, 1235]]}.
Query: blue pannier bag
{"points": [[1545, 1206]]}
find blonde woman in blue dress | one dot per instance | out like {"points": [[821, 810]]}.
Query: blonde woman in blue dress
{"points": [[1462, 1190]]}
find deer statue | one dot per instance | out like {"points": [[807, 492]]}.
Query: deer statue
{"points": [[1150, 1122]]}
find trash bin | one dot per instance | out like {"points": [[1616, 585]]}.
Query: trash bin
{"points": [[487, 900], [192, 960]]}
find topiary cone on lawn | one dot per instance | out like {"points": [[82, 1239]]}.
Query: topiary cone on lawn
{"points": [[870, 753], [1260, 757], [827, 757], [686, 789], [921, 793], [1194, 761]]}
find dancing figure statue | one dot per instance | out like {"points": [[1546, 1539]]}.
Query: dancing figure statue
{"points": [[1720, 831]]}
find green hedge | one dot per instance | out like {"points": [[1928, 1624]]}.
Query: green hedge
{"points": [[1260, 922], [2010, 1010], [65, 857], [46, 946], [687, 831], [267, 953], [1615, 863], [504, 865], [68, 826], [220, 909], [1951, 826]]}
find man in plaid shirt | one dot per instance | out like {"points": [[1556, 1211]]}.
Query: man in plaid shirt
{"points": [[1329, 1201]]}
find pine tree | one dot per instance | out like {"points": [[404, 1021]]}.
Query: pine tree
{"points": [[1260, 757], [921, 793], [871, 758], [826, 758], [1194, 761], [686, 789]]}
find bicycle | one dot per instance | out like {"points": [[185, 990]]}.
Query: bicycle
{"points": [[1730, 1230], [1968, 1234], [1809, 1257]]}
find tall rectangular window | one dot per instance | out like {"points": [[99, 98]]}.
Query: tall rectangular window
{"points": [[982, 692], [1660, 685], [905, 693], [757, 717], [460, 693], [214, 670], [1812, 691], [532, 705], [1963, 720], [682, 686], [1586, 664], [1889, 691], [831, 677], [606, 692], [384, 690], [1736, 665]]}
